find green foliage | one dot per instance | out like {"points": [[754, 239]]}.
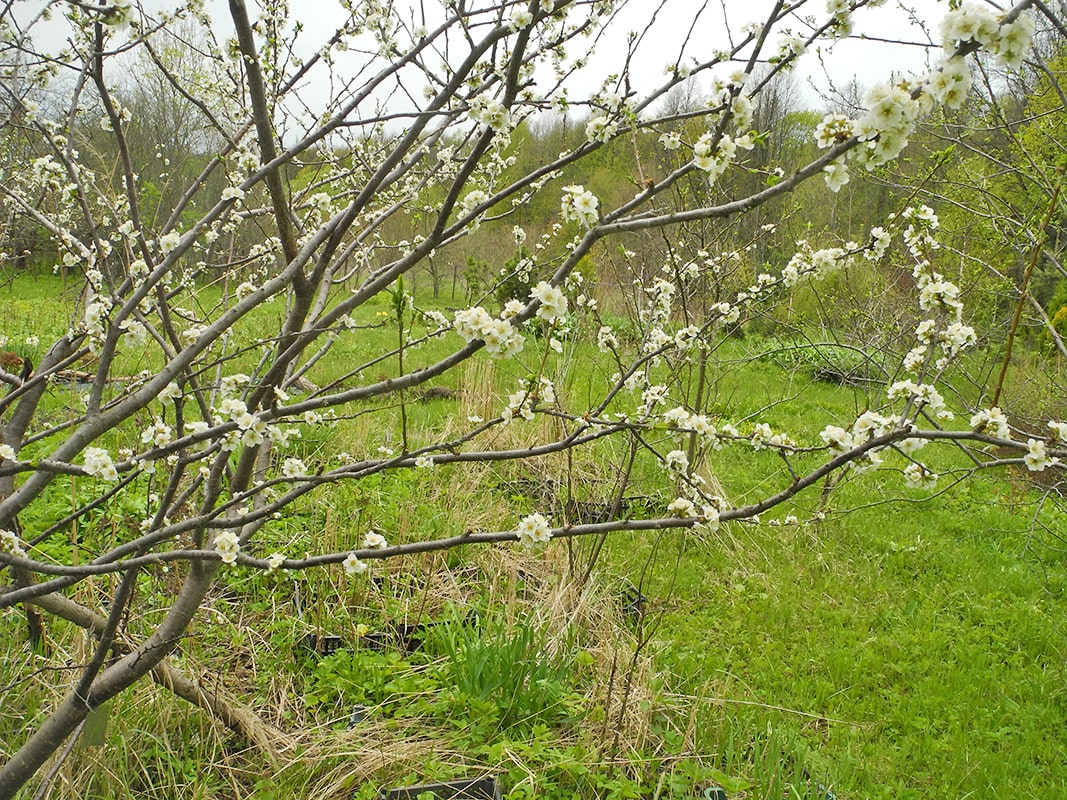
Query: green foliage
{"points": [[513, 285], [380, 680], [826, 361], [877, 647], [501, 675]]}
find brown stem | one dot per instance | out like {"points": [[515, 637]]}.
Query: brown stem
{"points": [[1024, 288]]}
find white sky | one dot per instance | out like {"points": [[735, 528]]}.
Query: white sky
{"points": [[867, 60]]}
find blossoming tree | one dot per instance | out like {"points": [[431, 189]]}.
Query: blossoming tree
{"points": [[285, 244]]}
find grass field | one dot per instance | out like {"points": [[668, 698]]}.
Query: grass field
{"points": [[882, 645]]}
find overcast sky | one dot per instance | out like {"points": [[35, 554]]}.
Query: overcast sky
{"points": [[864, 57]]}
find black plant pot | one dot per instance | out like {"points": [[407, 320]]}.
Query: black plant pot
{"points": [[321, 644], [467, 789]]}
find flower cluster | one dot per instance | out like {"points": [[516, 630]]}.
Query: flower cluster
{"points": [[808, 262], [1037, 458], [950, 82], [791, 47], [671, 140], [294, 468], [971, 23], [713, 158], [520, 18], [682, 507], [868, 425], [157, 434], [498, 335], [606, 339], [553, 308], [471, 201], [95, 320], [533, 530], [885, 128], [919, 234], [838, 439], [693, 501], [373, 540], [763, 437], [491, 113], [521, 403], [917, 476], [925, 395], [252, 430], [600, 129], [579, 205], [1059, 431], [683, 421], [892, 108], [836, 174], [98, 463], [10, 543], [227, 545], [135, 334], [991, 421], [840, 18]]}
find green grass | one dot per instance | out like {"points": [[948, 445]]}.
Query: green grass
{"points": [[917, 653], [895, 649]]}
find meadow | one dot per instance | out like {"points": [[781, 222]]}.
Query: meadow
{"points": [[863, 641]]}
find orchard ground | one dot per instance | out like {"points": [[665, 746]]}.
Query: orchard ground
{"points": [[868, 641]]}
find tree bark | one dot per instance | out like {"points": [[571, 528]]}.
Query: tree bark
{"points": [[110, 682]]}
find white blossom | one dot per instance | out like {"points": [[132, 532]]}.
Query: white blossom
{"points": [[134, 333], [579, 205], [169, 241], [499, 336], [969, 22], [98, 463], [671, 140], [471, 201], [169, 392], [1037, 458], [605, 339], [10, 543], [991, 421], [682, 507], [373, 540], [1059, 430], [1013, 41], [917, 476], [533, 530], [709, 518], [227, 545], [553, 302], [520, 18], [294, 468], [832, 129], [600, 129], [839, 440], [677, 461], [836, 173], [158, 434], [353, 566]]}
